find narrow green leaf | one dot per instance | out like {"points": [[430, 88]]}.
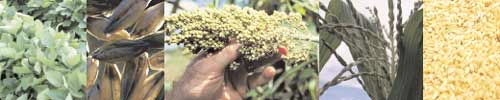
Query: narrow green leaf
{"points": [[21, 70], [37, 68], [313, 86], [329, 41], [408, 84]]}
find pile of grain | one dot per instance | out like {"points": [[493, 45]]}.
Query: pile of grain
{"points": [[462, 49]]}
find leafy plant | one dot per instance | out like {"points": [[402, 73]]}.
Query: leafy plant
{"points": [[64, 15], [37, 61], [367, 43]]}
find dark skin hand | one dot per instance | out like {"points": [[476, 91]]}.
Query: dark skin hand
{"points": [[206, 78]]}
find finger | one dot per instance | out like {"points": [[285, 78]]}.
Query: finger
{"points": [[237, 79], [217, 62], [262, 78], [227, 55], [264, 61]]}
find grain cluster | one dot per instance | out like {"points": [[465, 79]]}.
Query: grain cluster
{"points": [[259, 34]]}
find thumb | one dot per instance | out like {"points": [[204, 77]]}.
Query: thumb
{"points": [[218, 61]]}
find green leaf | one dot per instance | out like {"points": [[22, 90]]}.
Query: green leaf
{"points": [[361, 44], [21, 70], [26, 82], [40, 56], [26, 19], [23, 97], [57, 94], [299, 9], [37, 68], [43, 95], [40, 88], [72, 81], [313, 86], [55, 78], [37, 81], [6, 38], [13, 26], [408, 84], [1, 67], [69, 97], [329, 41], [307, 73], [8, 52], [36, 26], [9, 82], [1, 90], [11, 97], [70, 56], [73, 60], [9, 13], [22, 41]]}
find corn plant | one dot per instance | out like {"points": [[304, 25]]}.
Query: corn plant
{"points": [[393, 75], [125, 62]]}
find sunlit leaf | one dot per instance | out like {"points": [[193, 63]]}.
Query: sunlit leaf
{"points": [[7, 52], [12, 27], [10, 97], [23, 97], [21, 70], [69, 97], [54, 78], [57, 94], [43, 95]]}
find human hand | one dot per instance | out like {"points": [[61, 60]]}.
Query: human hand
{"points": [[207, 78]]}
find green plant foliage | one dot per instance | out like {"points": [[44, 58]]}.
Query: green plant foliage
{"points": [[298, 82], [364, 38], [37, 61], [65, 15], [409, 84]]}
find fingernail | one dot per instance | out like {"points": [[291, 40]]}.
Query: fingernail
{"points": [[269, 72]]}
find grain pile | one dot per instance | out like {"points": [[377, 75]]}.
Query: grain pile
{"points": [[462, 49]]}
